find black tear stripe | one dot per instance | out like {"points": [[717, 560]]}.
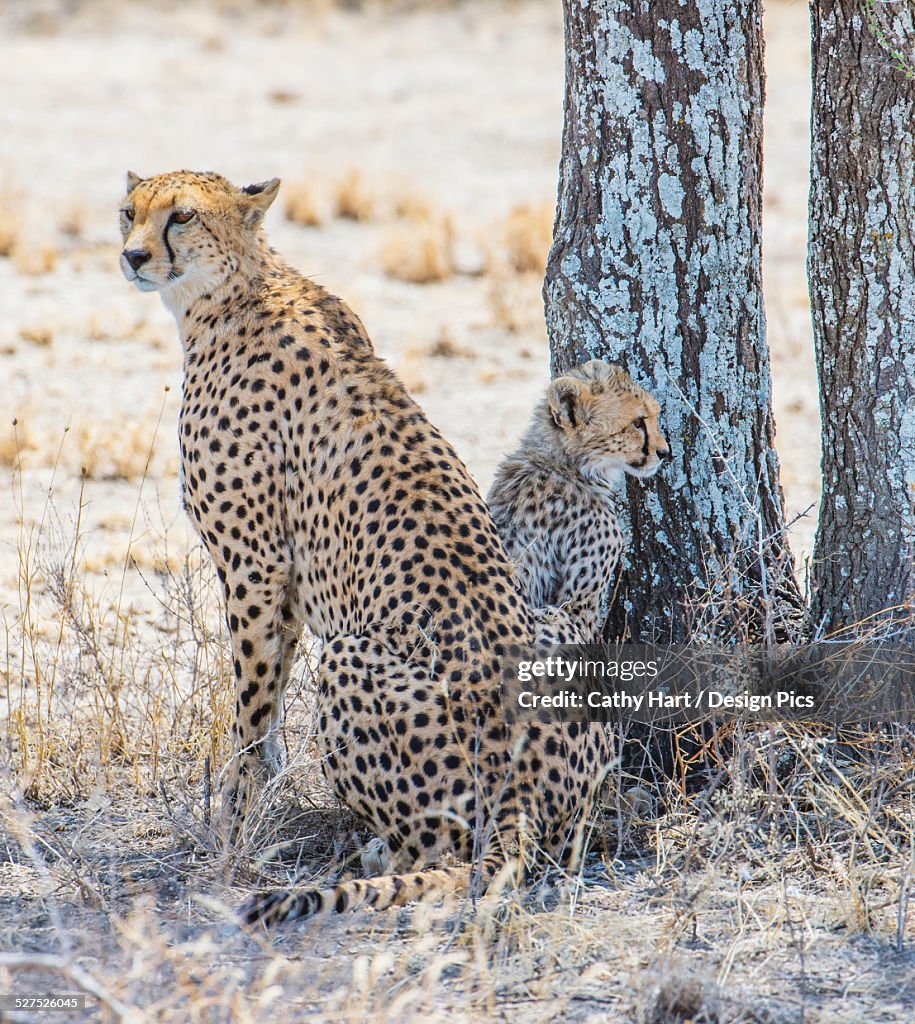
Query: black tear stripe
{"points": [[171, 252], [643, 427]]}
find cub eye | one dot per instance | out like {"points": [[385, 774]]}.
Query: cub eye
{"points": [[639, 423], [128, 213], [183, 216]]}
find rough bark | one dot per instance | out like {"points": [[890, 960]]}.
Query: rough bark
{"points": [[861, 264], [656, 265]]}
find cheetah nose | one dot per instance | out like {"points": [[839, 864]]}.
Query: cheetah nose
{"points": [[664, 454], [136, 257]]}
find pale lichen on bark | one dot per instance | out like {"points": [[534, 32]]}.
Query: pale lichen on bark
{"points": [[656, 264]]}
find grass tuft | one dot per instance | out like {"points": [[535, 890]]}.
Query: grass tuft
{"points": [[421, 253], [353, 197], [301, 206], [527, 234]]}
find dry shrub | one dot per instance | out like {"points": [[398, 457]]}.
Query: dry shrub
{"points": [[527, 235], [675, 995], [212, 44], [408, 204], [98, 328], [96, 692], [283, 96], [37, 334], [34, 258], [107, 451], [353, 199], [10, 226], [301, 206], [420, 253], [445, 347], [73, 221], [515, 303], [472, 257], [411, 371], [15, 438]]}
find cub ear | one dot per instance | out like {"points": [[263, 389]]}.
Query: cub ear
{"points": [[257, 199], [569, 400], [132, 181]]}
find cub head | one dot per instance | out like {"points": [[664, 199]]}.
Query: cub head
{"points": [[189, 230], [605, 422]]}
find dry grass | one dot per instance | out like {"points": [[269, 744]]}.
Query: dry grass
{"points": [[10, 226], [427, 248], [445, 347], [302, 205], [111, 451], [41, 335], [34, 258], [90, 693], [72, 223], [527, 234], [354, 199], [515, 303], [15, 437], [411, 369], [283, 97], [420, 253], [407, 202], [736, 901]]}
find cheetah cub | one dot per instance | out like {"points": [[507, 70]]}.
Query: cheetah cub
{"points": [[552, 499]]}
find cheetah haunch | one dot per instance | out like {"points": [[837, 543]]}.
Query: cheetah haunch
{"points": [[552, 500], [327, 499]]}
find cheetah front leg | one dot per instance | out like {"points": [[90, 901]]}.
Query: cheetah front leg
{"points": [[264, 627]]}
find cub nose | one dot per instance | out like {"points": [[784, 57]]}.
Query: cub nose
{"points": [[136, 257], [664, 454]]}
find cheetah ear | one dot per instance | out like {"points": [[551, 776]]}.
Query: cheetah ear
{"points": [[569, 401], [256, 200], [132, 181]]}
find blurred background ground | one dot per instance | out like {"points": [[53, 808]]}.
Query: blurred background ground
{"points": [[418, 149], [418, 145]]}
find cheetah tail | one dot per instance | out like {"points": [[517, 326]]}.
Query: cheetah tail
{"points": [[385, 891]]}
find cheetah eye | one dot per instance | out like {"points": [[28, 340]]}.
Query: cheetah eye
{"points": [[128, 213], [639, 423], [183, 216]]}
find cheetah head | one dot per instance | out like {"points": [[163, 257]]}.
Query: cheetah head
{"points": [[186, 232], [605, 422]]}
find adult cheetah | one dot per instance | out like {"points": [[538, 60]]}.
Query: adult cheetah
{"points": [[327, 499], [552, 499]]}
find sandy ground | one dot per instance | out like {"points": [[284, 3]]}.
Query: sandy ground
{"points": [[453, 114]]}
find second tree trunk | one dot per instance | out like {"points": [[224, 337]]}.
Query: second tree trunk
{"points": [[862, 285]]}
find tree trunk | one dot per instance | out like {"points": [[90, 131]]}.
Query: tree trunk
{"points": [[861, 264], [656, 265]]}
